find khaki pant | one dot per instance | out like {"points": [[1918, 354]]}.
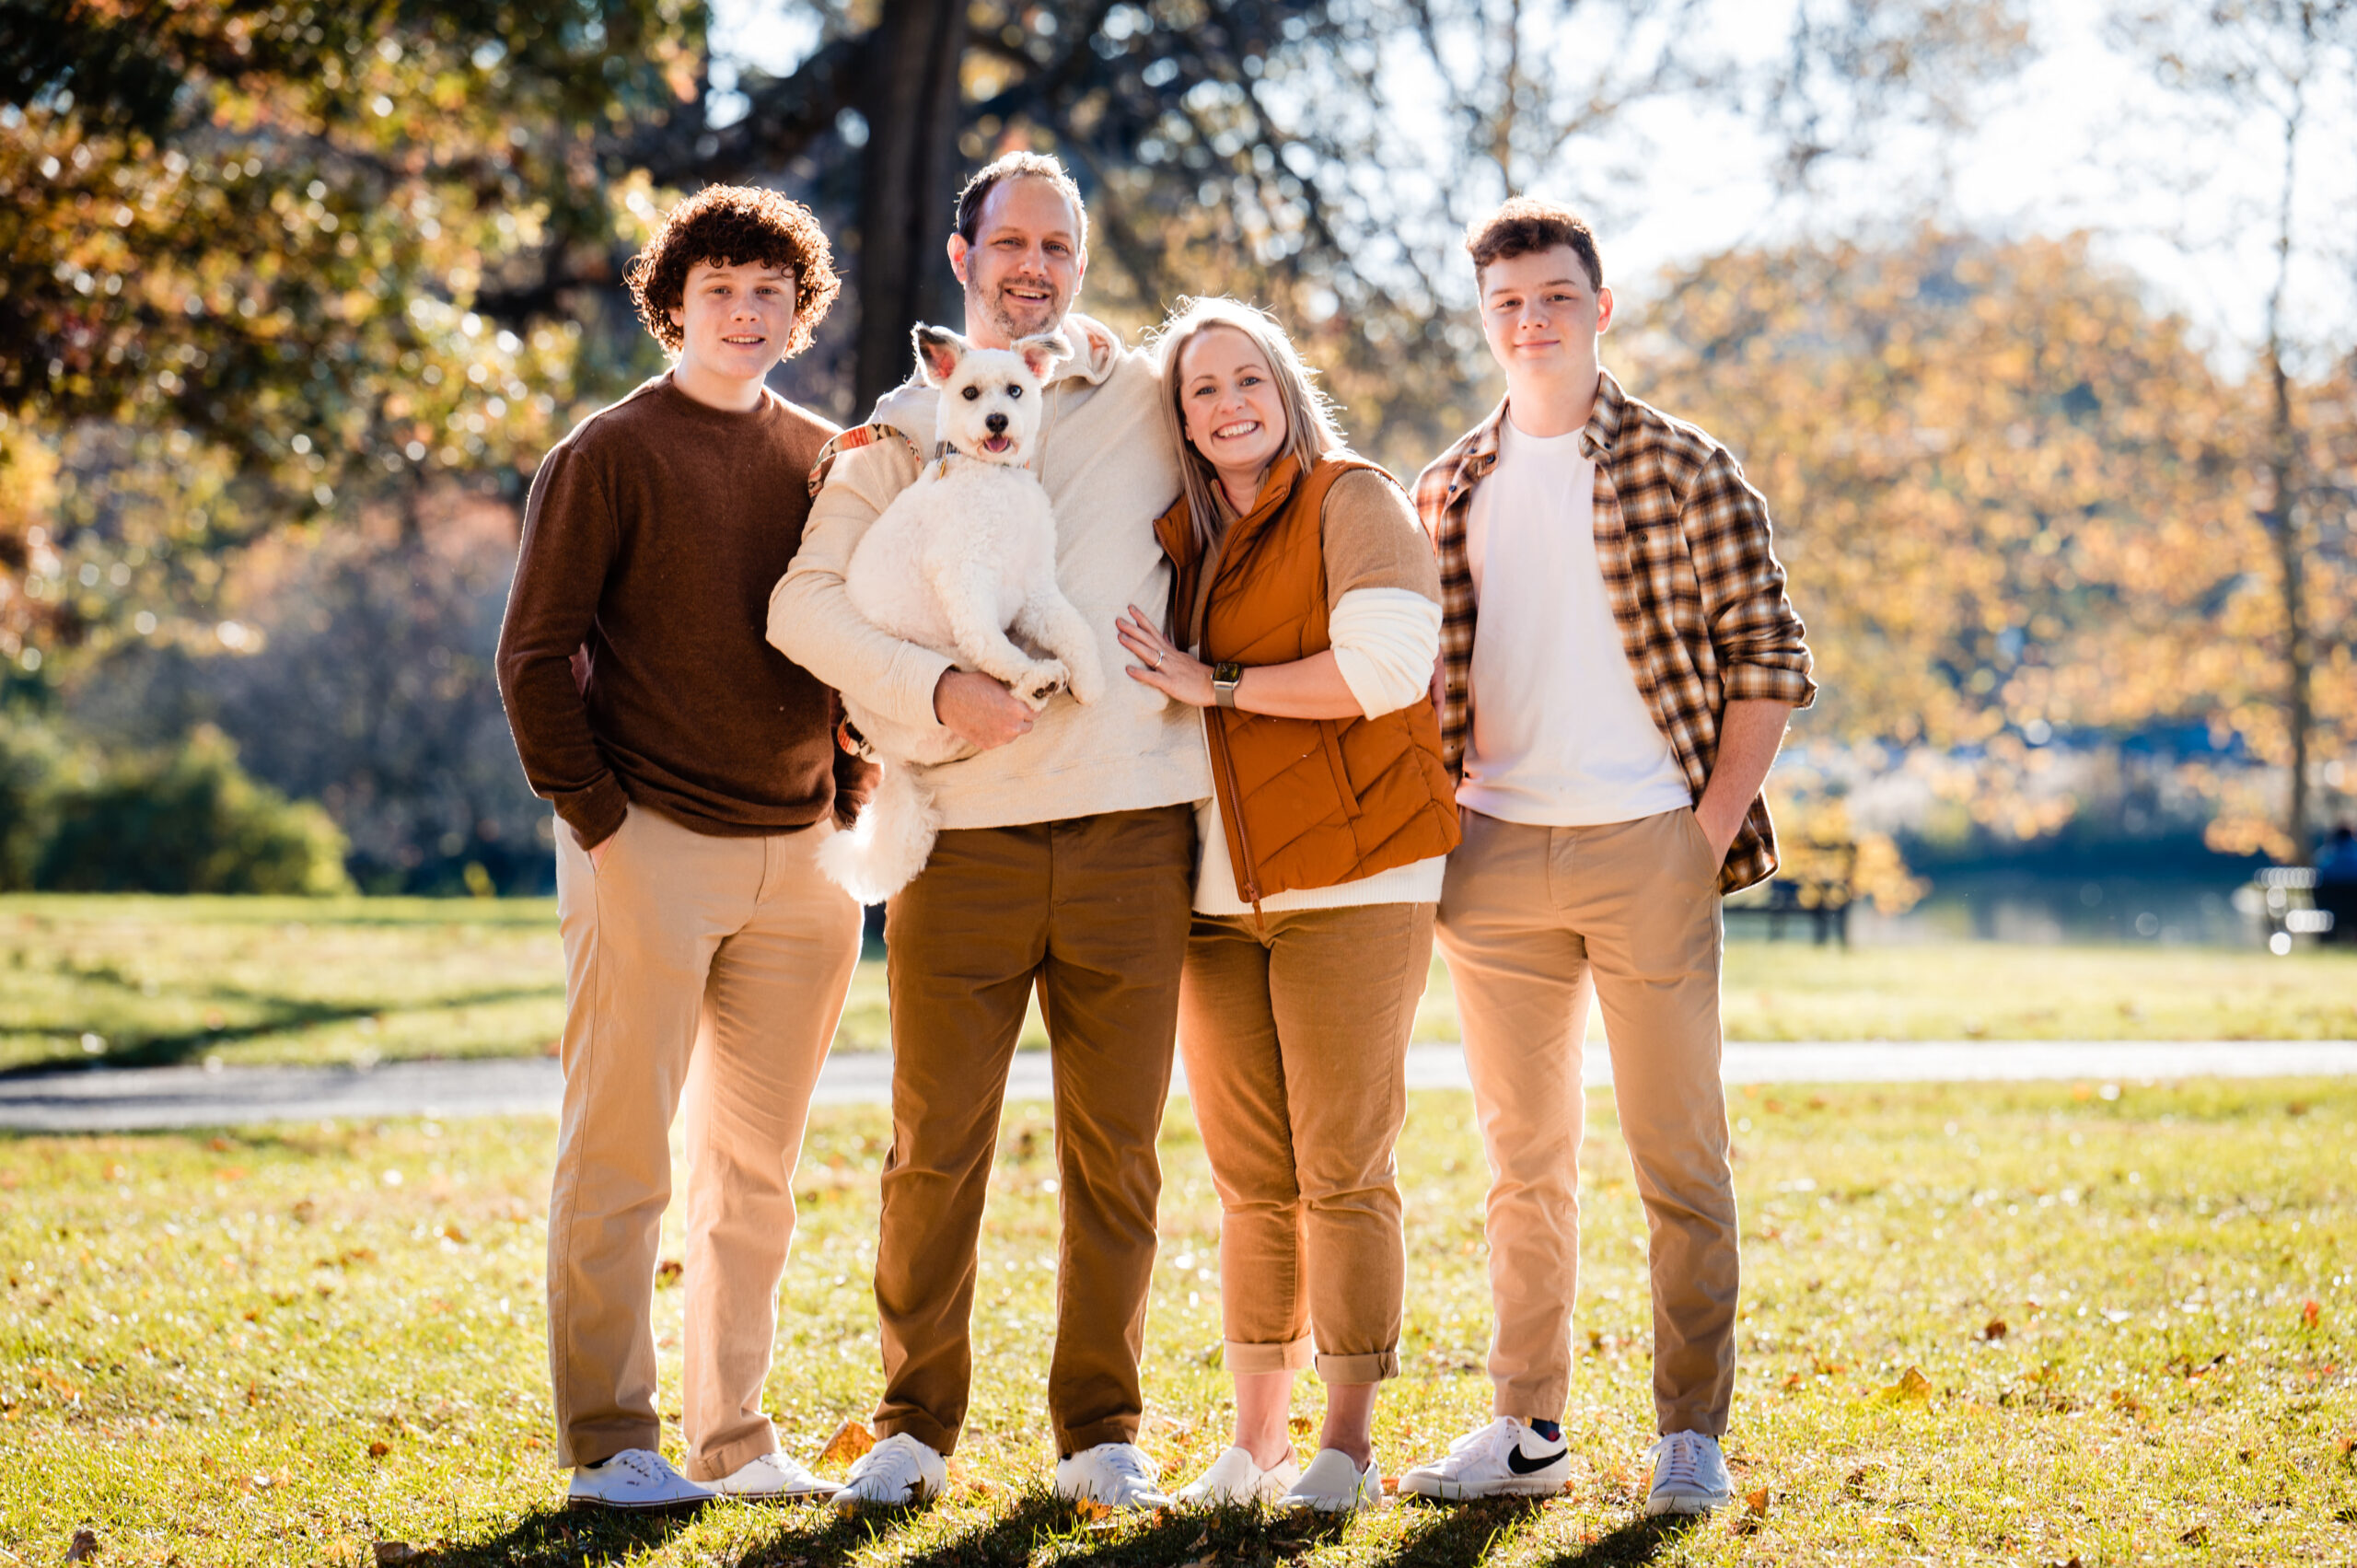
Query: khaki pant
{"points": [[1092, 910], [712, 969], [1296, 1043], [1530, 918]]}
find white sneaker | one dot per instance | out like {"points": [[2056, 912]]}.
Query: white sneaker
{"points": [[1690, 1475], [774, 1478], [1334, 1484], [1234, 1480], [896, 1474], [635, 1480], [1505, 1458], [1112, 1475]]}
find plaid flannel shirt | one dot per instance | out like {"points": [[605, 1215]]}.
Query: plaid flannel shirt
{"points": [[1690, 568]]}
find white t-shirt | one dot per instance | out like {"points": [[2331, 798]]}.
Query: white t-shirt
{"points": [[1561, 737]]}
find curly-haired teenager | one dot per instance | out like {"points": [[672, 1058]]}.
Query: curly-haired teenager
{"points": [[1618, 660], [694, 774]]}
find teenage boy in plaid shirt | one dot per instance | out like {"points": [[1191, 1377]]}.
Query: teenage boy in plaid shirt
{"points": [[1610, 725]]}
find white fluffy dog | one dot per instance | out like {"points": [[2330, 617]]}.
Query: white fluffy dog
{"points": [[960, 557]]}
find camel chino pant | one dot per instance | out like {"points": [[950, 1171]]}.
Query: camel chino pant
{"points": [[1535, 921], [1295, 1028], [709, 969], [1093, 912]]}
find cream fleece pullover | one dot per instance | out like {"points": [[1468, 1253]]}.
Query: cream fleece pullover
{"points": [[1109, 472]]}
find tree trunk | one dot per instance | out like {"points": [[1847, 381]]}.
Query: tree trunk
{"points": [[2283, 530], [910, 94]]}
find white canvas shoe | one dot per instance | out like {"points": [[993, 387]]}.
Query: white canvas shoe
{"points": [[636, 1480], [1112, 1475], [1690, 1475], [1235, 1481], [896, 1474], [1334, 1484], [774, 1478], [1505, 1458]]}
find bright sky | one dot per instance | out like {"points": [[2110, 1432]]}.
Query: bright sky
{"points": [[2083, 139]]}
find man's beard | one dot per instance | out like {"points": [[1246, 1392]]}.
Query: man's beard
{"points": [[1002, 312]]}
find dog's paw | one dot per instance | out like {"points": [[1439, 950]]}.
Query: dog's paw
{"points": [[1041, 681], [1088, 681]]}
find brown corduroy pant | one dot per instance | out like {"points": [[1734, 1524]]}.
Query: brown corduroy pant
{"points": [[1535, 921], [713, 970], [1092, 910], [1295, 1033]]}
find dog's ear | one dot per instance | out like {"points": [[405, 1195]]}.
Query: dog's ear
{"points": [[939, 351], [1040, 354]]}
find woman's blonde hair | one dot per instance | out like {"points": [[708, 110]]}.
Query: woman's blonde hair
{"points": [[1310, 430]]}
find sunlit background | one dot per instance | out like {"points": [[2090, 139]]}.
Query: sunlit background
{"points": [[2036, 325]]}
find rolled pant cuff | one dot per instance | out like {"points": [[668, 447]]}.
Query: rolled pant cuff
{"points": [[1380, 1366], [942, 1440], [1710, 1424], [1116, 1429], [1251, 1358], [1527, 1407], [724, 1462], [596, 1447]]}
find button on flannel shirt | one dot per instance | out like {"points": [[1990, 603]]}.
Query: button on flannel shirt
{"points": [[1692, 573]]}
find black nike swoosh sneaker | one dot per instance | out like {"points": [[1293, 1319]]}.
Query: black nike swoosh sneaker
{"points": [[1505, 1458]]}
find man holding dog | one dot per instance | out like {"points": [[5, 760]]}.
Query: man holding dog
{"points": [[1065, 862], [694, 774], [1618, 658]]}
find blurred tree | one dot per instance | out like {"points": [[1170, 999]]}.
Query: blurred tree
{"points": [[2282, 69], [2012, 496]]}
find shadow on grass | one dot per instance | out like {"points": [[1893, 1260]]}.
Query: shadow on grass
{"points": [[1461, 1535], [281, 1017], [560, 1536]]}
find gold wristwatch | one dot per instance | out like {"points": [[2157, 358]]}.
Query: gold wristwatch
{"points": [[1225, 676]]}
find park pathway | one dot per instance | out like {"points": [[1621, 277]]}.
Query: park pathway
{"points": [[96, 1099]]}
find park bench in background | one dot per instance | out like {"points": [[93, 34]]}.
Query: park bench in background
{"points": [[1817, 882], [2289, 899]]}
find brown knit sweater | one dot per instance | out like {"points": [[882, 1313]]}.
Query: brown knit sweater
{"points": [[651, 538]]}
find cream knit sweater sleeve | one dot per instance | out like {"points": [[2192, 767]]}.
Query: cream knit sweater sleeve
{"points": [[811, 619]]}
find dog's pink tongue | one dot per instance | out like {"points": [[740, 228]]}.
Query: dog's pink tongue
{"points": [[996, 443]]}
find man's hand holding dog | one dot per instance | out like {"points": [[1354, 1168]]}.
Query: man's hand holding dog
{"points": [[978, 710]]}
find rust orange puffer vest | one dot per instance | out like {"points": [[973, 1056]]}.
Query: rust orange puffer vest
{"points": [[1306, 803]]}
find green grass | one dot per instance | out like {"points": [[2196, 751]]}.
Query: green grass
{"points": [[282, 1345], [151, 981]]}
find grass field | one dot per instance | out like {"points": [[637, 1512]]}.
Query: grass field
{"points": [[149, 981], [286, 1345]]}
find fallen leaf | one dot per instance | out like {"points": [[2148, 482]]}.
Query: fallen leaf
{"points": [[1911, 1384], [2310, 1310], [1995, 1330], [397, 1551], [379, 1448], [2197, 1535], [1391, 1484], [1299, 1425], [84, 1546], [1090, 1509], [850, 1440], [668, 1272], [1756, 1503]]}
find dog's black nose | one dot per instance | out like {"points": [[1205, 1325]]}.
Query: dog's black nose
{"points": [[995, 424]]}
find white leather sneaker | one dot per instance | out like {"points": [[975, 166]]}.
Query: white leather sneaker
{"points": [[896, 1472], [1505, 1458], [1334, 1484], [1112, 1475], [1235, 1481], [636, 1480], [774, 1478], [1690, 1475]]}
